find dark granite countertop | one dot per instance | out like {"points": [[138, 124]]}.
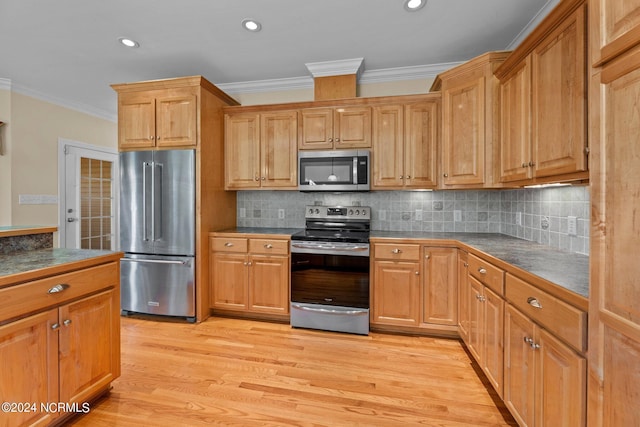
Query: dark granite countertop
{"points": [[565, 269], [14, 264]]}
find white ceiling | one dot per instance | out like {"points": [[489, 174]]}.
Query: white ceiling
{"points": [[67, 51]]}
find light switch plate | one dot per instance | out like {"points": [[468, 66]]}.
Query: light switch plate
{"points": [[572, 226]]}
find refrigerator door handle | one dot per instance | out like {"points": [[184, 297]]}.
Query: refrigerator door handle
{"points": [[144, 201], [155, 261], [157, 205]]}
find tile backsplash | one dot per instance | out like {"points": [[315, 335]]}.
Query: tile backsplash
{"points": [[536, 214]]}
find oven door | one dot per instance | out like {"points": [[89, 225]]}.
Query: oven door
{"points": [[330, 292]]}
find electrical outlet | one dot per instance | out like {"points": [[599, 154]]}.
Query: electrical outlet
{"points": [[518, 218], [281, 213], [544, 223], [418, 215], [243, 212], [457, 215], [572, 226]]}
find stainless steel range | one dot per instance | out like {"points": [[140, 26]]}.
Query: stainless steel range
{"points": [[330, 270]]}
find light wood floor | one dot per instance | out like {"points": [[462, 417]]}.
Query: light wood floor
{"points": [[248, 373]]}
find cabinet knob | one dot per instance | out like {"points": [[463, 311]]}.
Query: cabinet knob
{"points": [[524, 165], [401, 176], [263, 178], [249, 263], [533, 302], [408, 176], [482, 270], [151, 138], [330, 139], [256, 178], [532, 163], [446, 175], [228, 244], [55, 326], [268, 246], [158, 137], [396, 251], [67, 322], [337, 139], [427, 256], [465, 265], [417, 273]]}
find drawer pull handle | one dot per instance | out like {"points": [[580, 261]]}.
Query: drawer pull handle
{"points": [[58, 288], [482, 270], [67, 322], [533, 302], [228, 244], [268, 246], [396, 251]]}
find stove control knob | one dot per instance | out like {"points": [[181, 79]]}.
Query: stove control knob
{"points": [[350, 211], [310, 211], [357, 211], [317, 211]]}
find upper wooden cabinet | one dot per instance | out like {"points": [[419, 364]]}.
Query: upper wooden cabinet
{"points": [[162, 113], [543, 103], [339, 127], [260, 150], [405, 139], [470, 122], [617, 25]]}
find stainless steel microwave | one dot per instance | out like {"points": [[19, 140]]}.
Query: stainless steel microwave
{"points": [[334, 170]]}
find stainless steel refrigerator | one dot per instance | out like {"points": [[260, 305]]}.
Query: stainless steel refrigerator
{"points": [[157, 232]]}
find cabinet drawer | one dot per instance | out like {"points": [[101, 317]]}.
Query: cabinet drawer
{"points": [[34, 296], [487, 273], [229, 244], [401, 251], [567, 322], [269, 246]]}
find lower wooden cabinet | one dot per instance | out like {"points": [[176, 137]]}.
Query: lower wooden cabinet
{"points": [[396, 298], [463, 296], [69, 353], [250, 275], [545, 380], [486, 328], [440, 286]]}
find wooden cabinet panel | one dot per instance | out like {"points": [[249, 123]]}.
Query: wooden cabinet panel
{"points": [[87, 342], [493, 362], [463, 297], [29, 368], [229, 244], [397, 251], [440, 286], [396, 298], [278, 155], [176, 121], [269, 246], [515, 119], [230, 279], [266, 278], [487, 273], [559, 99], [388, 146], [422, 133], [242, 151], [476, 319], [616, 27], [339, 127], [519, 381], [136, 121], [463, 142]]}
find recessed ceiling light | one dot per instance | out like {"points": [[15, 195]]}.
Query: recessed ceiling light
{"points": [[251, 25], [413, 5], [128, 42]]}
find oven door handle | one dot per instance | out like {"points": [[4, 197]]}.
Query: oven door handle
{"points": [[332, 247], [330, 311]]}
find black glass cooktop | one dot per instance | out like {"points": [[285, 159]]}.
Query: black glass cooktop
{"points": [[332, 236]]}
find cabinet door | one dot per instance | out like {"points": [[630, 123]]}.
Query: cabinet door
{"points": [[269, 284], [422, 124], [560, 384], [463, 297], [476, 319], [463, 139], [396, 299], [352, 127], [230, 281], [316, 129], [493, 362], [89, 332], [559, 99], [176, 121], [388, 146], [519, 381], [616, 27], [29, 368], [136, 121], [439, 286], [515, 132], [242, 151], [278, 148]]}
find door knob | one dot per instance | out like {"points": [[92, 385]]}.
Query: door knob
{"points": [[72, 219]]}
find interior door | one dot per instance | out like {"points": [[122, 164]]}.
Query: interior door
{"points": [[88, 197]]}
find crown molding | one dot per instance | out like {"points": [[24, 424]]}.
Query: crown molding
{"points": [[5, 84], [542, 13], [336, 68], [111, 116], [373, 76]]}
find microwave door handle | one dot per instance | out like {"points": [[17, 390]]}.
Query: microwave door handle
{"points": [[354, 168]]}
